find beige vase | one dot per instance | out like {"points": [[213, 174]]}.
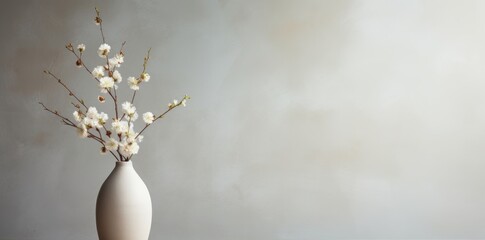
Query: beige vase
{"points": [[124, 207]]}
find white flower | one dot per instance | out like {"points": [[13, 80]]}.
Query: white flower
{"points": [[145, 77], [128, 148], [112, 63], [134, 116], [128, 108], [106, 82], [103, 50], [98, 72], [184, 102], [90, 123], [130, 134], [134, 148], [117, 76], [140, 138], [120, 57], [92, 113], [173, 104], [119, 126], [81, 47], [92, 118], [82, 131], [148, 117], [112, 144], [77, 116], [116, 61], [102, 117], [133, 83]]}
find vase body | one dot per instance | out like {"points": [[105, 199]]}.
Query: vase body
{"points": [[123, 207]]}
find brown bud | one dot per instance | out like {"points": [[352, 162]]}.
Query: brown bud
{"points": [[97, 20], [101, 99], [108, 133], [69, 47], [79, 63], [103, 149]]}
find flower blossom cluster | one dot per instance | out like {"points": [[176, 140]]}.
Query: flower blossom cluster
{"points": [[128, 139], [124, 140], [116, 134]]}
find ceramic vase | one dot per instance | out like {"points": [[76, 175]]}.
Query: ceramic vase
{"points": [[124, 206]]}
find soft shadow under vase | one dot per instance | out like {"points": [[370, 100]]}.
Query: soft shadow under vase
{"points": [[124, 206]]}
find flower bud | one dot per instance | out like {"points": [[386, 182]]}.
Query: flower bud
{"points": [[69, 47], [81, 47], [97, 20]]}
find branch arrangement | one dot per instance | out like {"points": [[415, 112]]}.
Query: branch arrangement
{"points": [[119, 139]]}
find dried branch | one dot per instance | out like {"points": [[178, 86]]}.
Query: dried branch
{"points": [[59, 115], [121, 48], [71, 93], [163, 114], [99, 21], [68, 122], [110, 69], [145, 60], [145, 63], [70, 48]]}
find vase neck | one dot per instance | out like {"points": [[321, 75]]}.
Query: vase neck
{"points": [[124, 164]]}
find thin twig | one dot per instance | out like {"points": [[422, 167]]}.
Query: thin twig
{"points": [[76, 105], [57, 114], [145, 63], [121, 48], [68, 122], [71, 49], [133, 97], [71, 93], [161, 115], [116, 103], [145, 60], [100, 21], [100, 135]]}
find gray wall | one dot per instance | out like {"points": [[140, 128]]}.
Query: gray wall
{"points": [[309, 120]]}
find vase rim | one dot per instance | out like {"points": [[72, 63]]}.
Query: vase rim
{"points": [[124, 163]]}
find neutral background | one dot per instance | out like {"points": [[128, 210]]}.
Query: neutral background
{"points": [[309, 120]]}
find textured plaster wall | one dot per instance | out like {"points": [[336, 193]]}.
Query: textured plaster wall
{"points": [[310, 120]]}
